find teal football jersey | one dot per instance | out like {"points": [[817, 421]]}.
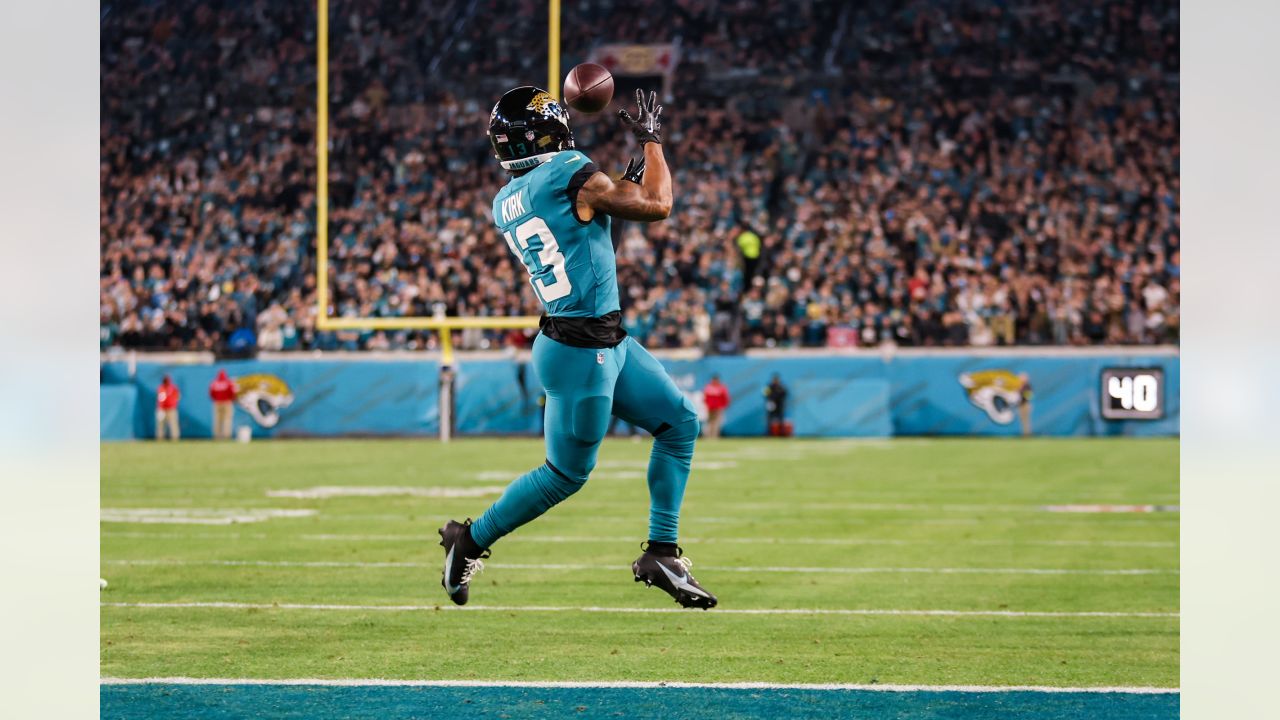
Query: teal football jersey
{"points": [[570, 263]]}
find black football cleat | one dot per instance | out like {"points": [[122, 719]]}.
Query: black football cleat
{"points": [[666, 568], [463, 560]]}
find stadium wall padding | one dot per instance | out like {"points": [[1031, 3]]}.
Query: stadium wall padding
{"points": [[118, 415], [830, 396], [303, 398]]}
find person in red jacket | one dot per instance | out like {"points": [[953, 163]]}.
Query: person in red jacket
{"points": [[716, 397], [222, 391], [167, 396]]}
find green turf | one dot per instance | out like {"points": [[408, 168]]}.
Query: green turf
{"points": [[836, 504]]}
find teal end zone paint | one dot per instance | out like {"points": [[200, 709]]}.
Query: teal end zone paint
{"points": [[312, 702]]}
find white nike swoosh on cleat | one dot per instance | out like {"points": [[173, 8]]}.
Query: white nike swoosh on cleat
{"points": [[682, 582], [448, 564]]}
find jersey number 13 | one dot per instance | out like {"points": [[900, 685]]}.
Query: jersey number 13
{"points": [[544, 255]]}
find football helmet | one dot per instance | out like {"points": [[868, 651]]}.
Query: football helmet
{"points": [[527, 127]]}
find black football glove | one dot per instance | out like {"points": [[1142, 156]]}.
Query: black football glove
{"points": [[648, 119], [634, 171]]}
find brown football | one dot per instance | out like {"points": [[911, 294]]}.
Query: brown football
{"points": [[588, 88]]}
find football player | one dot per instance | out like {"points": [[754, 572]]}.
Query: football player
{"points": [[554, 214]]}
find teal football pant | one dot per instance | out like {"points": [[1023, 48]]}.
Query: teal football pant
{"points": [[584, 387]]}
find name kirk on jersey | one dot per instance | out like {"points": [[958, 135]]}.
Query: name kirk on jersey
{"points": [[513, 207]]}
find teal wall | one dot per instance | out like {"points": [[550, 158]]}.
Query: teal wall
{"points": [[830, 396]]}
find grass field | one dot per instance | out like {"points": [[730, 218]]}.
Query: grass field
{"points": [[853, 540]]}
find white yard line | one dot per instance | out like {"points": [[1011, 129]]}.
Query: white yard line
{"points": [[324, 492], [274, 563], [227, 605], [231, 535], [889, 507], [712, 568], [1112, 508], [1047, 519], [342, 537], [627, 684], [944, 508], [783, 541], [198, 516], [1009, 520]]}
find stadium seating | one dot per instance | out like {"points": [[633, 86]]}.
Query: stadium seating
{"points": [[998, 174]]}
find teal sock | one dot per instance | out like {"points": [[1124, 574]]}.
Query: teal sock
{"points": [[527, 497], [668, 474]]}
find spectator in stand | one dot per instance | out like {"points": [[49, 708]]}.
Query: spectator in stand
{"points": [[775, 407], [716, 397], [167, 396], [222, 391], [749, 246], [1024, 404]]}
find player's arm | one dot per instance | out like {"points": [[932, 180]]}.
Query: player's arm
{"points": [[644, 192], [645, 199]]}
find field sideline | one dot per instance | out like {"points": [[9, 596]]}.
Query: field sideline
{"points": [[908, 562]]}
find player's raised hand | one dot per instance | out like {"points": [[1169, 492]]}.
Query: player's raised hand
{"points": [[648, 119], [634, 171]]}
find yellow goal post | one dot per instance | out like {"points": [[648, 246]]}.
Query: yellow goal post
{"points": [[443, 326]]}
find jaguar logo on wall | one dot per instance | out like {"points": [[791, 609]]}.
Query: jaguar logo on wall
{"points": [[998, 393], [263, 396]]}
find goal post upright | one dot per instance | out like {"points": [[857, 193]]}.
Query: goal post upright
{"points": [[442, 326], [553, 48], [322, 162]]}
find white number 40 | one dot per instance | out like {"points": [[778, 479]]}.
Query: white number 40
{"points": [[547, 256], [1134, 393]]}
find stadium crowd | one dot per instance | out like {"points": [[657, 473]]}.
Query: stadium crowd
{"points": [[923, 173]]}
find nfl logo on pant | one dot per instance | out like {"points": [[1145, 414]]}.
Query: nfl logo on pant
{"points": [[599, 358]]}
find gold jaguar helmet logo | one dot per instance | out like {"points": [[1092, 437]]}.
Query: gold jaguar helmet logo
{"points": [[263, 396], [998, 393], [542, 102]]}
